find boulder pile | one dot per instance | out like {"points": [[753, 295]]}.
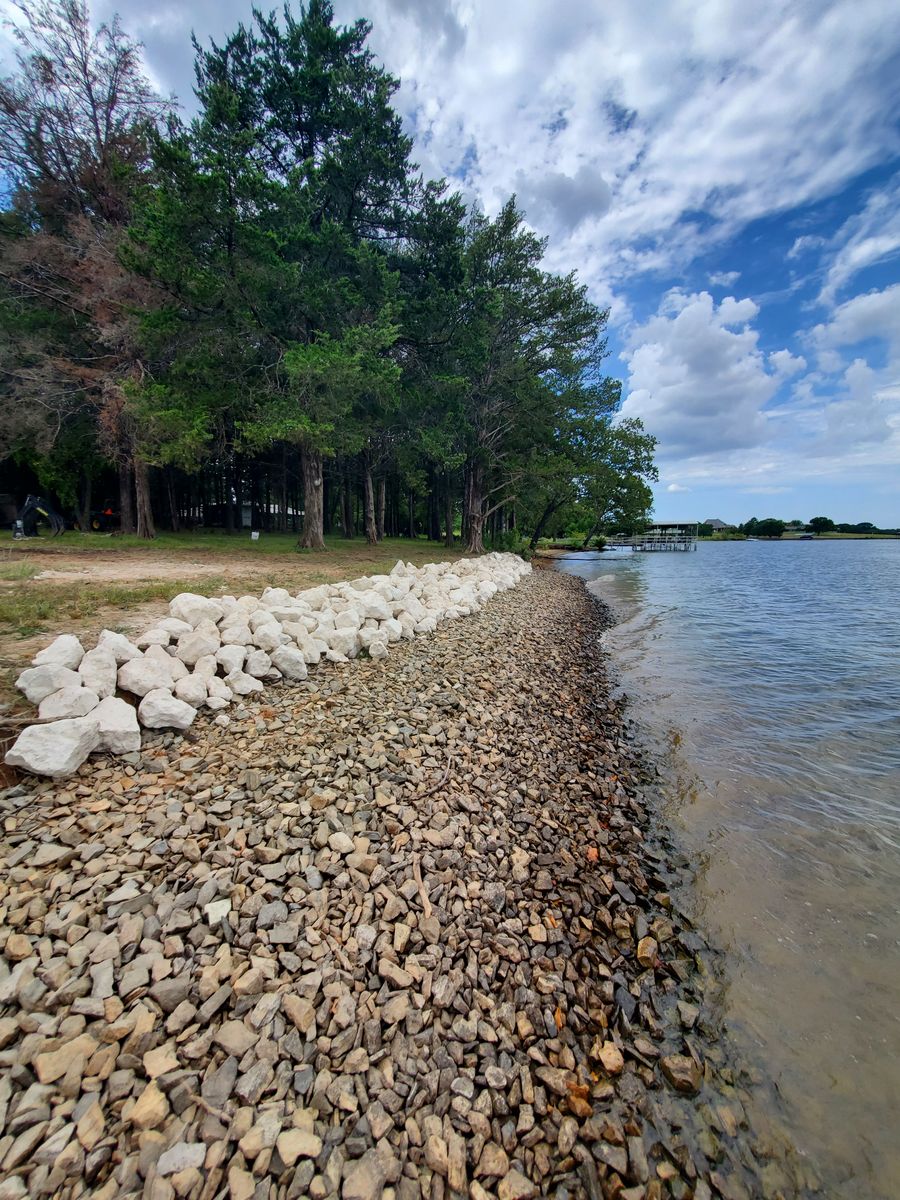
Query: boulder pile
{"points": [[211, 651]]}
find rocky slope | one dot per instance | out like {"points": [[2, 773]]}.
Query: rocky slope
{"points": [[394, 932]]}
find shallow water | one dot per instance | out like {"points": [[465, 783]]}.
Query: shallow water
{"points": [[769, 674]]}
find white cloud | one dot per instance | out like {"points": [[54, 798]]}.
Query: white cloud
{"points": [[677, 487], [786, 364], [636, 134], [698, 383], [724, 278], [873, 314], [869, 237]]}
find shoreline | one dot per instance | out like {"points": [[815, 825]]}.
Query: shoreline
{"points": [[355, 946]]}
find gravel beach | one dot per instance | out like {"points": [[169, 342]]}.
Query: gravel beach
{"points": [[402, 930]]}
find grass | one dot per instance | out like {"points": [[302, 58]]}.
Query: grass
{"points": [[215, 543], [11, 571], [29, 606], [29, 610]]}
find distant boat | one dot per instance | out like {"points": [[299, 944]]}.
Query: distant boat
{"points": [[806, 537]]}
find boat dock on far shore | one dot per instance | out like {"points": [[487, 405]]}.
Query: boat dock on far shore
{"points": [[663, 536]]}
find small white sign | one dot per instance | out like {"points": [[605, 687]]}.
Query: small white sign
{"points": [[254, 536]]}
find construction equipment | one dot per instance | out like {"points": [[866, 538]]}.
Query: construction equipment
{"points": [[32, 510]]}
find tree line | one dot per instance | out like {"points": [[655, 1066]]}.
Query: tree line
{"points": [[267, 305]]}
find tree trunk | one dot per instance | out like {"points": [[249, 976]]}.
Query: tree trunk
{"points": [[312, 534], [448, 511], [434, 511], [541, 525], [126, 500], [369, 506], [379, 514], [475, 499], [173, 503], [145, 526], [346, 507], [412, 517], [84, 517], [591, 532]]}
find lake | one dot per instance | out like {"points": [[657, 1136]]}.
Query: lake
{"points": [[766, 677]]}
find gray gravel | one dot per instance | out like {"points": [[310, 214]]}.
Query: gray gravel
{"points": [[393, 933]]}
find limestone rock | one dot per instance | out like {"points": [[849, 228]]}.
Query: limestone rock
{"points": [[56, 749], [159, 709], [64, 651], [98, 672], [120, 732], [290, 662], [143, 675], [192, 690], [39, 682], [193, 609], [118, 645], [68, 702]]}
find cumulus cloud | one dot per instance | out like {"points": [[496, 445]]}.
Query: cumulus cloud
{"points": [[677, 487], [786, 364], [564, 201], [725, 279], [697, 377]]}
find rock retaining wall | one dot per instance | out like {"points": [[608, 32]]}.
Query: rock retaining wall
{"points": [[211, 651]]}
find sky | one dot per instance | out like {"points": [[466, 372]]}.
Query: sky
{"points": [[724, 179]]}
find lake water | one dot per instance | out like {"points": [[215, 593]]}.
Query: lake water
{"points": [[767, 676]]}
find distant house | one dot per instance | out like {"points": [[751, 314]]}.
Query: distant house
{"points": [[716, 525]]}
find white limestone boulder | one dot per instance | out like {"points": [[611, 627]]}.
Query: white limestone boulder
{"points": [[269, 637], [192, 690], [242, 684], [391, 629], [206, 667], [231, 658], [275, 595], [117, 721], [153, 637], [369, 634], [143, 675], [166, 657], [64, 651], [344, 641], [315, 597], [261, 617], [258, 664], [98, 672], [290, 662], [118, 645], [426, 625], [39, 682], [236, 633], [200, 642], [218, 689], [68, 702], [194, 609], [56, 749], [159, 709], [174, 626], [378, 649], [408, 625]]}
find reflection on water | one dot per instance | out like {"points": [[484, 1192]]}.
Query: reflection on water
{"points": [[770, 675]]}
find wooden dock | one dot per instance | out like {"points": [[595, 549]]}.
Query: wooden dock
{"points": [[661, 537]]}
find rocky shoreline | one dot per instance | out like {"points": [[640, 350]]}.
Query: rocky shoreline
{"points": [[399, 931]]}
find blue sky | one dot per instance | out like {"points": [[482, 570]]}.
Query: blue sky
{"points": [[726, 180]]}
